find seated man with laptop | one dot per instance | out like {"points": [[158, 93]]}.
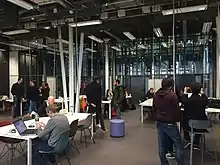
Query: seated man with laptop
{"points": [[49, 134]]}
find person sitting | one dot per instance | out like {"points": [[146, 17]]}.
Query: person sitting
{"points": [[194, 109], [150, 93], [48, 134]]}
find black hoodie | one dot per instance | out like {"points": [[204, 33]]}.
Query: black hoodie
{"points": [[166, 106]]}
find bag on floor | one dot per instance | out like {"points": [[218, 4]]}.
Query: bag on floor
{"points": [[132, 107]]}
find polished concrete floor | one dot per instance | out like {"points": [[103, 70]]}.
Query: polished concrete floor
{"points": [[138, 147]]}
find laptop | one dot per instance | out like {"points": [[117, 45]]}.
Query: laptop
{"points": [[22, 129]]}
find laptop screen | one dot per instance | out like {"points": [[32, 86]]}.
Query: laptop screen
{"points": [[20, 126]]}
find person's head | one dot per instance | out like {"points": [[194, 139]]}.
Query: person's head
{"points": [[151, 90], [195, 88], [167, 83], [47, 85], [32, 83], [96, 80], [51, 100], [52, 110], [116, 82], [20, 80], [43, 84]]}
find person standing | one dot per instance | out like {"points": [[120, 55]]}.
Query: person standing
{"points": [[17, 91], [167, 114], [44, 91], [118, 98], [94, 98], [33, 96]]}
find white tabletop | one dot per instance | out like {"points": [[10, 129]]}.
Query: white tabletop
{"points": [[147, 103], [106, 101], [5, 131]]}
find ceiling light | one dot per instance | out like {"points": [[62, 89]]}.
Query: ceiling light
{"points": [[185, 10], [164, 44], [129, 35], [92, 37], [2, 50], [47, 27], [20, 46], [39, 44], [206, 27], [85, 23], [158, 32], [116, 48], [90, 50], [22, 4], [142, 46], [14, 32]]}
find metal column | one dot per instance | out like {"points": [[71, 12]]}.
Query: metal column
{"points": [[71, 71], [77, 108], [92, 64], [218, 56], [63, 72], [106, 66]]}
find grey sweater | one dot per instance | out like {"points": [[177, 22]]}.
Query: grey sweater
{"points": [[54, 128]]}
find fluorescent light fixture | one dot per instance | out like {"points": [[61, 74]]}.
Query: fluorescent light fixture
{"points": [[116, 48], [39, 44], [2, 50], [22, 4], [129, 35], [158, 32], [20, 46], [164, 44], [90, 50], [142, 46], [206, 27], [47, 27], [94, 38], [14, 32], [185, 10], [86, 23]]}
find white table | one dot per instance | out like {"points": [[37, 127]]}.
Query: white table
{"points": [[5, 131], [149, 103], [109, 108]]}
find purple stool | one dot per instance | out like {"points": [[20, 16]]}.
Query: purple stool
{"points": [[117, 128]]}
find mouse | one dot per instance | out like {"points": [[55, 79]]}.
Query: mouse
{"points": [[13, 131]]}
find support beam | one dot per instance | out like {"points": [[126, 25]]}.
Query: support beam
{"points": [[71, 71], [63, 72], [106, 66], [77, 108], [218, 57], [92, 64]]}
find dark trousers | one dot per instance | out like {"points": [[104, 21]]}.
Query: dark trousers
{"points": [[39, 159], [165, 131], [99, 115], [17, 104]]}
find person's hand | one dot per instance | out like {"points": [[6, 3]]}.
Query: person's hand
{"points": [[40, 125], [93, 105]]}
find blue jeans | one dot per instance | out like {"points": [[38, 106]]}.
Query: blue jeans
{"points": [[118, 111], [39, 159], [169, 131], [32, 106]]}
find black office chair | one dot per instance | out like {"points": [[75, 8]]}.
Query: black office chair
{"points": [[73, 130]]}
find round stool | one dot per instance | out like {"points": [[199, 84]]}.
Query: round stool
{"points": [[117, 128]]}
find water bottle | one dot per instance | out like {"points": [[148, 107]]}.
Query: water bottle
{"points": [[36, 117]]}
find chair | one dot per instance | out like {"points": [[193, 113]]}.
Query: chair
{"points": [[195, 126], [11, 145], [86, 126], [61, 146], [73, 130]]}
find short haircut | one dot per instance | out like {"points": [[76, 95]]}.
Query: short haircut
{"points": [[19, 78], [117, 81], [195, 87], [95, 79], [52, 108], [167, 83]]}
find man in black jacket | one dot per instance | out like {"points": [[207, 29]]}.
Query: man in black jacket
{"points": [[167, 110], [94, 98], [33, 94], [17, 91]]}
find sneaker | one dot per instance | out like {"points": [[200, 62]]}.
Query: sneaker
{"points": [[170, 156], [104, 130], [98, 125]]}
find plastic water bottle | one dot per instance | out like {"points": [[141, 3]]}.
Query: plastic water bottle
{"points": [[36, 117]]}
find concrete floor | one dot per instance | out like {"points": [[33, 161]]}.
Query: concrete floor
{"points": [[138, 147]]}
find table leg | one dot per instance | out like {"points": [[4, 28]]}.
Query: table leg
{"points": [[21, 110], [110, 111], [142, 113], [92, 127], [29, 152]]}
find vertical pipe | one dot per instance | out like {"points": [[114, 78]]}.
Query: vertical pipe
{"points": [[76, 54], [113, 67], [71, 70], [63, 72], [92, 57], [106, 66], [77, 108], [174, 56]]}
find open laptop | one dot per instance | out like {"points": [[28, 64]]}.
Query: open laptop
{"points": [[22, 129]]}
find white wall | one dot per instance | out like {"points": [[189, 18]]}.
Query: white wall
{"points": [[13, 69]]}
